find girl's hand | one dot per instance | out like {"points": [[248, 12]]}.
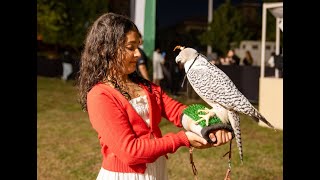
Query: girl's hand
{"points": [[220, 137]]}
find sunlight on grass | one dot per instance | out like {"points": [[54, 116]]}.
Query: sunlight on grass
{"points": [[68, 147]]}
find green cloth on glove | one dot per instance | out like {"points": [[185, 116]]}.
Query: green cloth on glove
{"points": [[192, 112]]}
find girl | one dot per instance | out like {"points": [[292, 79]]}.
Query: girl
{"points": [[125, 109]]}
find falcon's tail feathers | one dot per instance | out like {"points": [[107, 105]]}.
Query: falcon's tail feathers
{"points": [[234, 119], [258, 117]]}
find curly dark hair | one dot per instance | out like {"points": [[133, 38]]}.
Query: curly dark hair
{"points": [[102, 56]]}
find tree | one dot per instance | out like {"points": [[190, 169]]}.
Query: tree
{"points": [[65, 22], [227, 26], [50, 15]]}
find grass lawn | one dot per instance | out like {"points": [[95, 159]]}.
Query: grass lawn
{"points": [[68, 147]]}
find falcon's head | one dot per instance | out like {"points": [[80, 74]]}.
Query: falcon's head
{"points": [[185, 54]]}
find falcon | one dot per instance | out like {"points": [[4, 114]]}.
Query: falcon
{"points": [[218, 91]]}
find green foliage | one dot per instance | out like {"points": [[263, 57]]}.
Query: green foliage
{"points": [[66, 22], [227, 26], [69, 148], [50, 15]]}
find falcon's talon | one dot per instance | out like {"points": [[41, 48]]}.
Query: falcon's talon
{"points": [[208, 112], [206, 116]]}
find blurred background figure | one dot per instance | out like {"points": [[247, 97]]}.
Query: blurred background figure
{"points": [[270, 62], [232, 58], [247, 60], [224, 61], [142, 63], [166, 83], [213, 58], [163, 54], [66, 65], [158, 61]]}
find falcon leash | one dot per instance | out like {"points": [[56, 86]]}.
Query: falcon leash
{"points": [[194, 169], [228, 174], [184, 78]]}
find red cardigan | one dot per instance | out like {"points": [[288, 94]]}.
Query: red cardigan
{"points": [[124, 136]]}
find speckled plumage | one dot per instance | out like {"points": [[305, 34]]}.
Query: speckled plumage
{"points": [[217, 89]]}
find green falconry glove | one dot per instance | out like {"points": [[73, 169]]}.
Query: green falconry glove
{"points": [[191, 116]]}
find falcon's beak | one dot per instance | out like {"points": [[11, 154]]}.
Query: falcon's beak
{"points": [[178, 59]]}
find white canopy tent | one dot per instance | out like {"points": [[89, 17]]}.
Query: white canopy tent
{"points": [[276, 10], [278, 14], [271, 88]]}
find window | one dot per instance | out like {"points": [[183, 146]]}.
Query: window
{"points": [[254, 46]]}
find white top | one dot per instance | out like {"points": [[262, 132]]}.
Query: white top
{"points": [[140, 104], [156, 170]]}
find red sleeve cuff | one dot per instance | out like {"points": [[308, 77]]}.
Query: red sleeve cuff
{"points": [[183, 137]]}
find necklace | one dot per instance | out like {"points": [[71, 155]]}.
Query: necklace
{"points": [[129, 89], [135, 90]]}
